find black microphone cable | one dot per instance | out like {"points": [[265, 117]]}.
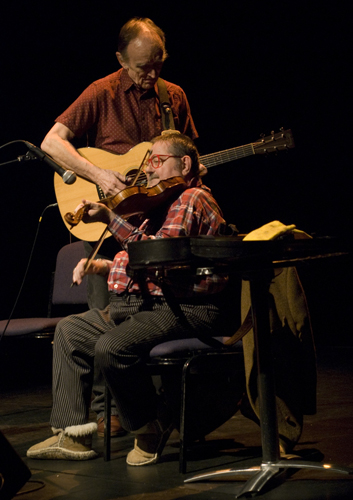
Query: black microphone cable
{"points": [[26, 271]]}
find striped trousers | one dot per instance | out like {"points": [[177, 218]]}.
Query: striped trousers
{"points": [[120, 337]]}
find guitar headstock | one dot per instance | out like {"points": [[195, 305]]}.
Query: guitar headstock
{"points": [[274, 142]]}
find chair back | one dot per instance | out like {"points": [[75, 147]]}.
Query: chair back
{"points": [[67, 258]]}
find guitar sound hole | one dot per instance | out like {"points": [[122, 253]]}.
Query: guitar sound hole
{"points": [[130, 176]]}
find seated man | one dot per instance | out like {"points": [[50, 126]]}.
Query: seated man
{"points": [[137, 318]]}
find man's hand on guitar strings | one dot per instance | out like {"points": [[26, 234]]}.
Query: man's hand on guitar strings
{"points": [[111, 182]]}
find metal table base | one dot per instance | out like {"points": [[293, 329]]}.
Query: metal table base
{"points": [[272, 464]]}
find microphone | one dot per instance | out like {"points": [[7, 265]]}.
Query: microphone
{"points": [[68, 176]]}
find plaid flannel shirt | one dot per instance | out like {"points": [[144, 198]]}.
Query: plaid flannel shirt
{"points": [[194, 213]]}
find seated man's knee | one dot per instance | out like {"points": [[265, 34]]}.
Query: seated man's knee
{"points": [[114, 350], [63, 329]]}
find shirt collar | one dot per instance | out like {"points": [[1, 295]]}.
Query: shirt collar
{"points": [[128, 84], [197, 182], [126, 81]]}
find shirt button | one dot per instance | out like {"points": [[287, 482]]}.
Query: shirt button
{"points": [[115, 286]]}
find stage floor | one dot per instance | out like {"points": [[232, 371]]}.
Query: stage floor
{"points": [[24, 415]]}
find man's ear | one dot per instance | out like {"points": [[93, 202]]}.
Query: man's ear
{"points": [[186, 165], [121, 60]]}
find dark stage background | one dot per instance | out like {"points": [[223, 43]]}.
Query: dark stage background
{"points": [[247, 68]]}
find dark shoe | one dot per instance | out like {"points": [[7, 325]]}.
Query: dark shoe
{"points": [[115, 427], [149, 443]]}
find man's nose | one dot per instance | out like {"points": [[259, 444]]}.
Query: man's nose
{"points": [[148, 167], [152, 73]]}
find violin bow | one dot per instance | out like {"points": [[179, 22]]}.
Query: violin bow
{"points": [[98, 243]]}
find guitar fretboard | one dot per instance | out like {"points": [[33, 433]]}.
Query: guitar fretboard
{"points": [[213, 159]]}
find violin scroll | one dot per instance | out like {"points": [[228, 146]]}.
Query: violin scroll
{"points": [[73, 219]]}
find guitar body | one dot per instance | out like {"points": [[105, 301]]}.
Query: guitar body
{"points": [[70, 195]]}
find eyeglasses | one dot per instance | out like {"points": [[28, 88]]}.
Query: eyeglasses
{"points": [[157, 161]]}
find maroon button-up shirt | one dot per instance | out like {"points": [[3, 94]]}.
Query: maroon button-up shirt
{"points": [[116, 115]]}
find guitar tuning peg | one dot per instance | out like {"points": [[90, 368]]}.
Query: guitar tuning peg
{"points": [[272, 132], [281, 129]]}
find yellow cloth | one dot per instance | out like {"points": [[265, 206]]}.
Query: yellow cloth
{"points": [[272, 230]]}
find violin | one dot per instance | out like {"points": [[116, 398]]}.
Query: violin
{"points": [[135, 200]]}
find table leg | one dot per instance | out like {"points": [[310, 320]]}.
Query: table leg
{"points": [[271, 463]]}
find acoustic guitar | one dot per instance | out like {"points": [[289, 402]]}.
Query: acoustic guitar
{"points": [[70, 195]]}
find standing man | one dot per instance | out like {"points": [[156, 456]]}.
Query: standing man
{"points": [[122, 109], [116, 113]]}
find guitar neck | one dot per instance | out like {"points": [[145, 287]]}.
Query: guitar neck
{"points": [[231, 154]]}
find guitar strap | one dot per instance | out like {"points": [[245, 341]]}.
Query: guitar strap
{"points": [[212, 342], [165, 107], [242, 330], [178, 313]]}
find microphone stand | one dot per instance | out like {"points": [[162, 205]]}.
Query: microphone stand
{"points": [[28, 156]]}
